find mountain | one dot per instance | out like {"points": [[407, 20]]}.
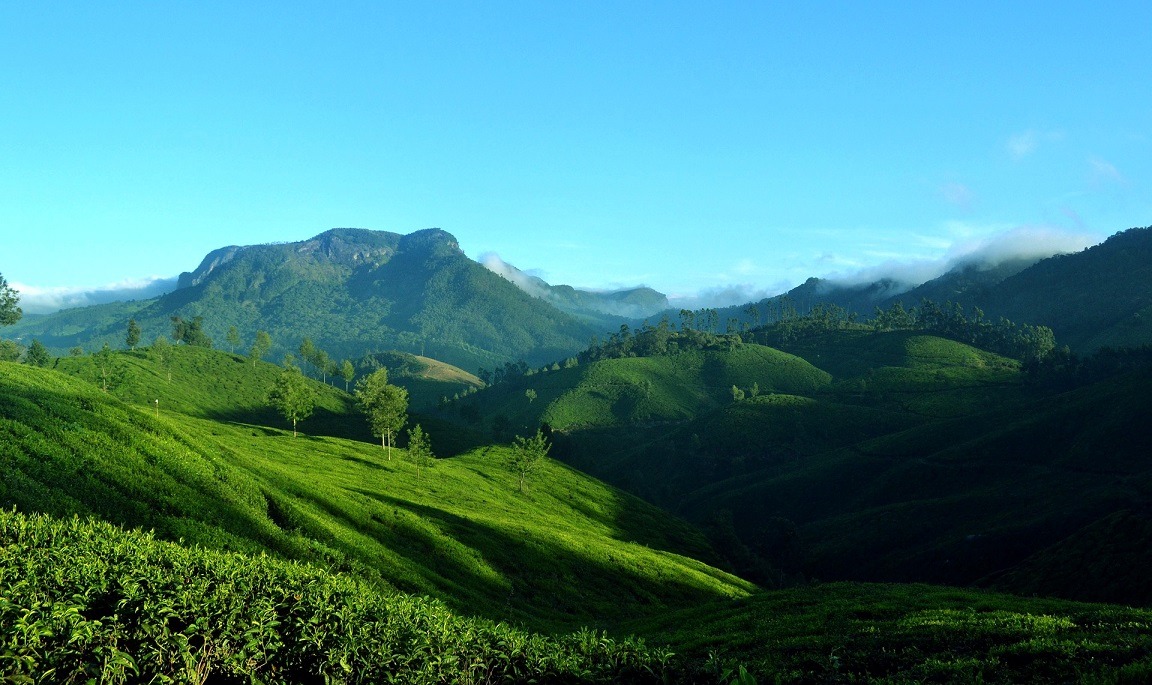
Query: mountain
{"points": [[1098, 297], [1101, 296], [352, 292], [607, 305]]}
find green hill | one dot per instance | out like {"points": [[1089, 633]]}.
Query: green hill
{"points": [[304, 558], [352, 292], [637, 391], [569, 552]]}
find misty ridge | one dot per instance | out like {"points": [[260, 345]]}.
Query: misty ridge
{"points": [[1026, 244]]}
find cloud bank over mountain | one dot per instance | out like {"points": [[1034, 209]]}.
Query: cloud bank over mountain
{"points": [[986, 252], [40, 300]]}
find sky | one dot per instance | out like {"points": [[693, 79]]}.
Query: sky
{"points": [[708, 150]]}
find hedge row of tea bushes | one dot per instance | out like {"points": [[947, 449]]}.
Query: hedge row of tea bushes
{"points": [[87, 601]]}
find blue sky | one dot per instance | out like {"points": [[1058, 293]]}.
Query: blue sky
{"points": [[729, 149]]}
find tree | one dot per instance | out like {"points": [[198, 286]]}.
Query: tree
{"points": [[420, 448], [322, 363], [527, 455], [347, 372], [132, 339], [260, 346], [108, 368], [161, 351], [292, 397], [37, 355], [384, 406], [190, 332], [737, 394], [233, 339], [10, 351], [10, 312], [307, 350], [530, 394]]}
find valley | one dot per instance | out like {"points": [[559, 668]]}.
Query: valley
{"points": [[775, 493]]}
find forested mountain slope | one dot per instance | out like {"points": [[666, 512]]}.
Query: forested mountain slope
{"points": [[352, 292]]}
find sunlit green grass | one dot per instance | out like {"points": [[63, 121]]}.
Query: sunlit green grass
{"points": [[569, 551]]}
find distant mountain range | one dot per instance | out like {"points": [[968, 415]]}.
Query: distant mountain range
{"points": [[1098, 297], [358, 291]]}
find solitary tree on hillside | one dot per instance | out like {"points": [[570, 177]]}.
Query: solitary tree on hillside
{"points": [[107, 368], [292, 397], [161, 351], [527, 455], [530, 394], [233, 339], [37, 355], [420, 448], [132, 339], [385, 406], [260, 346], [347, 372], [10, 312]]}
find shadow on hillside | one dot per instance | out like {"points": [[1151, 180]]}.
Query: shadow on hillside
{"points": [[322, 423], [542, 580]]}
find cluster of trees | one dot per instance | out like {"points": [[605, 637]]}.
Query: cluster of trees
{"points": [[658, 340], [187, 332], [1025, 342], [1019, 341], [1062, 369]]}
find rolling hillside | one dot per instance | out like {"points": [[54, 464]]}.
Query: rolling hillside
{"points": [[459, 531], [357, 567]]}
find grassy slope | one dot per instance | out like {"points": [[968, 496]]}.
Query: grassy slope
{"points": [[866, 633], [459, 530], [958, 499], [643, 390], [549, 557]]}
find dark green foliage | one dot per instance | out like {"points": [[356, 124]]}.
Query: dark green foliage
{"points": [[89, 601], [190, 332], [352, 292], [132, 338], [890, 634], [292, 397], [384, 406], [10, 351], [10, 311], [37, 355]]}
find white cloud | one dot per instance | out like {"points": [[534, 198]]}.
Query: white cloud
{"points": [[1022, 144], [526, 282], [958, 195], [1025, 143], [1103, 172], [972, 245], [41, 300]]}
